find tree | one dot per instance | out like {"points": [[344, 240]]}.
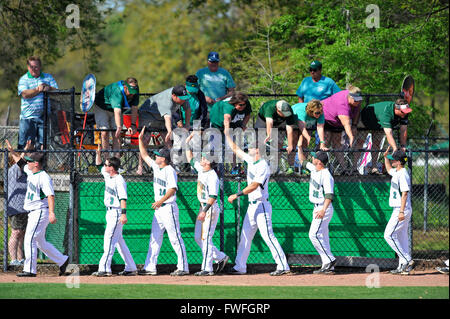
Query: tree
{"points": [[46, 28]]}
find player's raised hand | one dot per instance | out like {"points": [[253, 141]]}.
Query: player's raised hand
{"points": [[141, 134], [387, 151]]}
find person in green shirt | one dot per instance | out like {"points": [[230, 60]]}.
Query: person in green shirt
{"points": [[387, 116], [278, 114], [231, 113], [111, 102]]}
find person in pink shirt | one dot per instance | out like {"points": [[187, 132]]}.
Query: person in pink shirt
{"points": [[341, 111]]}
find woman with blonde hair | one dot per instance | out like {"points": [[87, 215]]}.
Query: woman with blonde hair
{"points": [[309, 117]]}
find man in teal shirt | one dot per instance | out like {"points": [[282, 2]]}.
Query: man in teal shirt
{"points": [[316, 86], [110, 102], [216, 82]]}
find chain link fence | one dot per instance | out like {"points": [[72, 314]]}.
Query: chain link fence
{"points": [[361, 209]]}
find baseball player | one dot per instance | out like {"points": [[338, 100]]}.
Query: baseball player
{"points": [[166, 211], [207, 192], [259, 212], [321, 193], [396, 232], [40, 203], [115, 200]]}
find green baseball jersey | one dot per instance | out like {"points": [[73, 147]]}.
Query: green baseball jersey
{"points": [[269, 110], [111, 97], [221, 108]]}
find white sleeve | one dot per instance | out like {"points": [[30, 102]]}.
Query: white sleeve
{"points": [[261, 175], [213, 185], [153, 164], [26, 170], [46, 185], [404, 182], [328, 183], [248, 159], [310, 167], [392, 171], [172, 179], [121, 188], [103, 172]]}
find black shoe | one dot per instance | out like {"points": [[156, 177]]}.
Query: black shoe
{"points": [[221, 264], [62, 269], [204, 273], [127, 273], [235, 272], [144, 272], [25, 274], [101, 274]]}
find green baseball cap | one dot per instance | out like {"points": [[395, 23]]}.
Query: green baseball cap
{"points": [[315, 65]]}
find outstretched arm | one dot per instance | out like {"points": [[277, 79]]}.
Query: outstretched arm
{"points": [[240, 153], [143, 149], [387, 162], [16, 156]]}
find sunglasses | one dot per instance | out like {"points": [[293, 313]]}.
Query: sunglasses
{"points": [[313, 70], [109, 165], [241, 104], [317, 113]]}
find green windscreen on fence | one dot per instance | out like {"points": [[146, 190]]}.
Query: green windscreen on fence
{"points": [[361, 213]]}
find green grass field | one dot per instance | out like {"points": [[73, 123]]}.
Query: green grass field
{"points": [[92, 291]]}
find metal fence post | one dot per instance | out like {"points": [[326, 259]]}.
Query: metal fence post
{"points": [[71, 186], [410, 232], [222, 206], [425, 188], [238, 216], [5, 211]]}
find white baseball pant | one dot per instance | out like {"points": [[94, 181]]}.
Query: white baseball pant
{"points": [[318, 233], [114, 239], [259, 216], [166, 218], [396, 235], [35, 238], [204, 232]]}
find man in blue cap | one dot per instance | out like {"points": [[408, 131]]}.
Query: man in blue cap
{"points": [[216, 82], [316, 86]]}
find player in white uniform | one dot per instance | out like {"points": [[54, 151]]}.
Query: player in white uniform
{"points": [[205, 225], [115, 200], [396, 232], [259, 212], [321, 193], [166, 211], [40, 203]]}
